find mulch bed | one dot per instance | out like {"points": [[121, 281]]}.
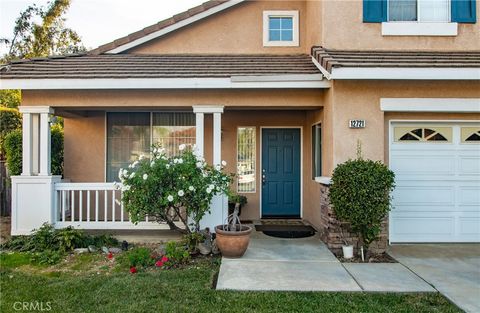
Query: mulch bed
{"points": [[372, 258]]}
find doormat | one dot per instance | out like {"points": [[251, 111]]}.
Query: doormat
{"points": [[286, 231]]}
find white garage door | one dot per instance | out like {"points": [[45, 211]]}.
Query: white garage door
{"points": [[437, 194]]}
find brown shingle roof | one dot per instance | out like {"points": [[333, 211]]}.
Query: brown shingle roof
{"points": [[329, 59], [158, 66], [158, 26]]}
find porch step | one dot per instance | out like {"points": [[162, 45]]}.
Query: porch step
{"points": [[139, 236]]}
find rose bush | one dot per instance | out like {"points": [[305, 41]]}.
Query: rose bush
{"points": [[170, 188]]}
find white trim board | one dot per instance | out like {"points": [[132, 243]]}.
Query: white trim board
{"points": [[419, 29], [460, 105], [165, 83], [175, 26], [406, 73]]}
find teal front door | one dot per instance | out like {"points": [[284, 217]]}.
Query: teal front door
{"points": [[281, 172]]}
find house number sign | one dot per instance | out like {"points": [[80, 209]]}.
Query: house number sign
{"points": [[356, 123]]}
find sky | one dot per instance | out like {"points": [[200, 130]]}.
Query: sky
{"points": [[100, 21]]}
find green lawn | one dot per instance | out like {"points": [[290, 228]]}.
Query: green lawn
{"points": [[85, 284]]}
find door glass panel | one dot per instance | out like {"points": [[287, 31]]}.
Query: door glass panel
{"points": [[246, 159]]}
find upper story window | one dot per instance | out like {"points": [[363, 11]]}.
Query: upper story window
{"points": [[280, 28], [419, 10]]}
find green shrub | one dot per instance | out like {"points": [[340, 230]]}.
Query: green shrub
{"points": [[176, 253], [102, 240], [360, 195], [13, 151], [192, 240], [159, 185], [138, 257], [70, 238], [10, 120], [47, 257], [10, 98]]}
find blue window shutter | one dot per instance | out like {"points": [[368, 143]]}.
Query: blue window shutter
{"points": [[464, 11], [375, 11]]}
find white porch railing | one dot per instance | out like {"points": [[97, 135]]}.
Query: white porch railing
{"points": [[94, 206]]}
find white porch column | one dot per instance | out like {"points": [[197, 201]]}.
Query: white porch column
{"points": [[27, 144], [33, 193], [219, 205], [45, 145], [199, 133]]}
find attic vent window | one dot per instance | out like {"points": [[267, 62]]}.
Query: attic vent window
{"points": [[280, 29]]}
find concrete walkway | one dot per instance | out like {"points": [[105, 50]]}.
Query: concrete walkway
{"points": [[307, 265], [453, 269]]}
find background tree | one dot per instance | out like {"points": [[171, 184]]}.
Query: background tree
{"points": [[41, 31]]}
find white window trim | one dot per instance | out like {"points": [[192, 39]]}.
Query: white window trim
{"points": [[296, 34], [419, 29]]}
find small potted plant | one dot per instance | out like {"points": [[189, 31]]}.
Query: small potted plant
{"points": [[347, 249], [235, 199], [233, 238]]}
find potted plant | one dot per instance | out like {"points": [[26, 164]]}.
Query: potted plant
{"points": [[233, 238], [235, 199], [347, 249]]}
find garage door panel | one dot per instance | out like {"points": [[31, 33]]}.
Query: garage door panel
{"points": [[470, 226], [469, 165], [423, 225], [424, 195], [423, 164], [469, 196]]}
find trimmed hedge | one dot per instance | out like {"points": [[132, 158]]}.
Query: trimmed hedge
{"points": [[10, 120], [360, 195], [13, 149]]}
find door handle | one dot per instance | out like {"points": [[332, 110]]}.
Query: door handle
{"points": [[264, 179]]}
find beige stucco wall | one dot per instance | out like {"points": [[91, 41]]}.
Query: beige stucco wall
{"points": [[333, 24], [299, 98], [84, 148], [344, 29], [238, 30], [361, 100]]}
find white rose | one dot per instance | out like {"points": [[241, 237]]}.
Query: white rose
{"points": [[170, 198], [181, 193], [180, 161], [224, 163], [145, 176], [211, 186], [181, 147], [141, 157], [152, 163], [175, 161], [209, 190], [199, 164], [127, 187], [132, 175], [191, 188], [134, 163], [167, 166], [218, 167]]}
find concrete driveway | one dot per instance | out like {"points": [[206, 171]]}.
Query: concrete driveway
{"points": [[453, 269]]}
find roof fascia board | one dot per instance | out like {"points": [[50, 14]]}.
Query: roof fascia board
{"points": [[323, 70], [459, 105], [175, 26], [406, 73], [155, 83], [277, 78]]}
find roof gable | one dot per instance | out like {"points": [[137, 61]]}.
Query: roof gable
{"points": [[166, 26]]}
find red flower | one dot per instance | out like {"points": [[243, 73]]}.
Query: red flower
{"points": [[110, 255], [159, 264], [133, 270], [164, 259]]}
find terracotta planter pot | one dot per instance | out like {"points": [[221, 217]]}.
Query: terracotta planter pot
{"points": [[233, 244]]}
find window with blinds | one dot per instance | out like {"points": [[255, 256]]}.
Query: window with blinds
{"points": [[246, 154], [131, 134]]}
